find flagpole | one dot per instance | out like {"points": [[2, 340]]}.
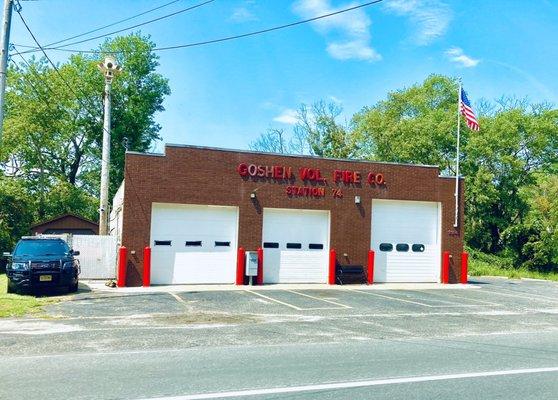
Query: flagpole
{"points": [[455, 223]]}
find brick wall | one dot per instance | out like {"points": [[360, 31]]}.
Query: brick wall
{"points": [[191, 175]]}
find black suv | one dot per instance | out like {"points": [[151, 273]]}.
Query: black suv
{"points": [[42, 262]]}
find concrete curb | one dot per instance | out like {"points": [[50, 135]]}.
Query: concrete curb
{"points": [[99, 286]]}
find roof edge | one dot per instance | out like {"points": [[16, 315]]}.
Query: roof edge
{"points": [[62, 216], [187, 146]]}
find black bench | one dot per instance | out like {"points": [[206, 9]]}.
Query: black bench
{"points": [[350, 274]]}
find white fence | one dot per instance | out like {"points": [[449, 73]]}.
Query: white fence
{"points": [[97, 256]]}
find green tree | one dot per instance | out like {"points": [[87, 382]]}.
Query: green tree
{"points": [[541, 225], [414, 125], [325, 135], [317, 132], [16, 212], [53, 127], [517, 141]]}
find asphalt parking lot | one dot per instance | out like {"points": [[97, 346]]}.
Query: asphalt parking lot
{"points": [[252, 316], [497, 323]]}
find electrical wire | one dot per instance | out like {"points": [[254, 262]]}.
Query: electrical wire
{"points": [[113, 24], [228, 38], [127, 28], [70, 88], [48, 87]]}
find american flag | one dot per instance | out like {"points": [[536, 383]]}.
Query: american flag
{"points": [[468, 112]]}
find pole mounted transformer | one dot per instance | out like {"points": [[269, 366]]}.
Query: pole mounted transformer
{"points": [[109, 68]]}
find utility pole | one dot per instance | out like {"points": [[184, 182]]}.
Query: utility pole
{"points": [[109, 69], [6, 24]]}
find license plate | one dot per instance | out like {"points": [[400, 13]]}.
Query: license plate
{"points": [[45, 278]]}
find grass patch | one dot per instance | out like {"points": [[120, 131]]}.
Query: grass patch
{"points": [[482, 264], [15, 305]]}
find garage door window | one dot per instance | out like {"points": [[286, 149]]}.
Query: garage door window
{"points": [[222, 244], [162, 242], [386, 247], [294, 246], [316, 246], [271, 245], [418, 248], [402, 247], [193, 243]]}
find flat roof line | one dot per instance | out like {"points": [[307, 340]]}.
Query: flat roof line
{"points": [[188, 146]]}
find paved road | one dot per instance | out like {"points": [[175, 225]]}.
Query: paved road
{"points": [[496, 342]]}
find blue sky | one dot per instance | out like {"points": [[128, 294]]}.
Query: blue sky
{"points": [[226, 94]]}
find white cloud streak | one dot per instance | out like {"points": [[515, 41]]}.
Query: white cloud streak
{"points": [[242, 14], [288, 117], [456, 55], [347, 35], [430, 17]]}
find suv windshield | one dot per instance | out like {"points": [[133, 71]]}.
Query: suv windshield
{"points": [[41, 248]]}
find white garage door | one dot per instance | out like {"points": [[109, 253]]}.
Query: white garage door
{"points": [[193, 244], [296, 246], [406, 240]]}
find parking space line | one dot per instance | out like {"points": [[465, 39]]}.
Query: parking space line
{"points": [[391, 298], [317, 298], [526, 297], [552, 299], [469, 299], [274, 300]]}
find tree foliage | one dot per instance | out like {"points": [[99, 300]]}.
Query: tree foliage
{"points": [[54, 123], [317, 132], [510, 166]]}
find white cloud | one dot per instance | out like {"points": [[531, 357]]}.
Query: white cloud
{"points": [[242, 14], [336, 100], [431, 17], [288, 117], [456, 55], [347, 35]]}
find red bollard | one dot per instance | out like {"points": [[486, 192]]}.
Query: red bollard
{"points": [[240, 266], [445, 266], [122, 261], [370, 275], [259, 278], [464, 266], [147, 266], [332, 265]]}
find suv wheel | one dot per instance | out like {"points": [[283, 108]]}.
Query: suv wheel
{"points": [[10, 287], [74, 287]]}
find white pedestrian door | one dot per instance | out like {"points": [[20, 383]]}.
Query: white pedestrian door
{"points": [[406, 240], [296, 246], [193, 244]]}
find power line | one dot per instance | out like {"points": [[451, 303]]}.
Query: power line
{"points": [[227, 38], [129, 27], [54, 66], [114, 23], [49, 88], [84, 107], [276, 28]]}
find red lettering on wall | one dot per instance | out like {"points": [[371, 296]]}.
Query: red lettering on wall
{"points": [[252, 170], [268, 171], [357, 177], [337, 175], [242, 169], [288, 173], [304, 191]]}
